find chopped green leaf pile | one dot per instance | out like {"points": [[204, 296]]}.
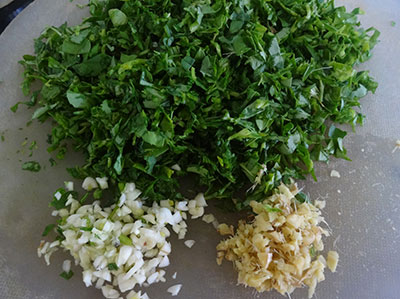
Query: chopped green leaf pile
{"points": [[236, 92]]}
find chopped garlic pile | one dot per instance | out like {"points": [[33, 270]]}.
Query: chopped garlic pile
{"points": [[276, 250], [121, 246]]}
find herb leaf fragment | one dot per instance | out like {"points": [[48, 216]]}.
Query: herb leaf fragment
{"points": [[67, 275], [31, 166]]}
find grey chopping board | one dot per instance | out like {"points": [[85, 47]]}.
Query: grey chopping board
{"points": [[362, 205]]}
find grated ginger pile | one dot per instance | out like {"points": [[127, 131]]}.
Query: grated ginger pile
{"points": [[279, 248]]}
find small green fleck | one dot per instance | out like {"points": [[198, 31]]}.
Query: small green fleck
{"points": [[269, 208], [86, 229], [33, 145], [112, 266], [67, 275], [98, 194], [52, 162], [302, 197], [14, 108], [393, 23], [31, 166], [121, 186], [313, 252], [83, 199], [48, 229], [125, 240]]}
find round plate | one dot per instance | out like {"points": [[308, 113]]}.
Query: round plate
{"points": [[362, 205]]}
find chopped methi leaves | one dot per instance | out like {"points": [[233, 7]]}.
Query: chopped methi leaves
{"points": [[231, 91], [279, 248], [175, 289], [67, 275], [122, 246]]}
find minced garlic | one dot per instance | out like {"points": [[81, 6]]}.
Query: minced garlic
{"points": [[277, 250], [332, 260]]}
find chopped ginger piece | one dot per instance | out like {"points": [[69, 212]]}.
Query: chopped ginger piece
{"points": [[224, 229]]}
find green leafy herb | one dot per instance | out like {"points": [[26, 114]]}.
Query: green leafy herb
{"points": [[83, 199], [224, 89], [33, 145], [14, 108], [313, 251], [67, 275], [125, 240], [118, 18], [31, 166], [112, 266], [77, 100], [60, 232], [302, 197], [98, 194], [52, 162], [48, 229], [269, 208], [60, 198]]}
